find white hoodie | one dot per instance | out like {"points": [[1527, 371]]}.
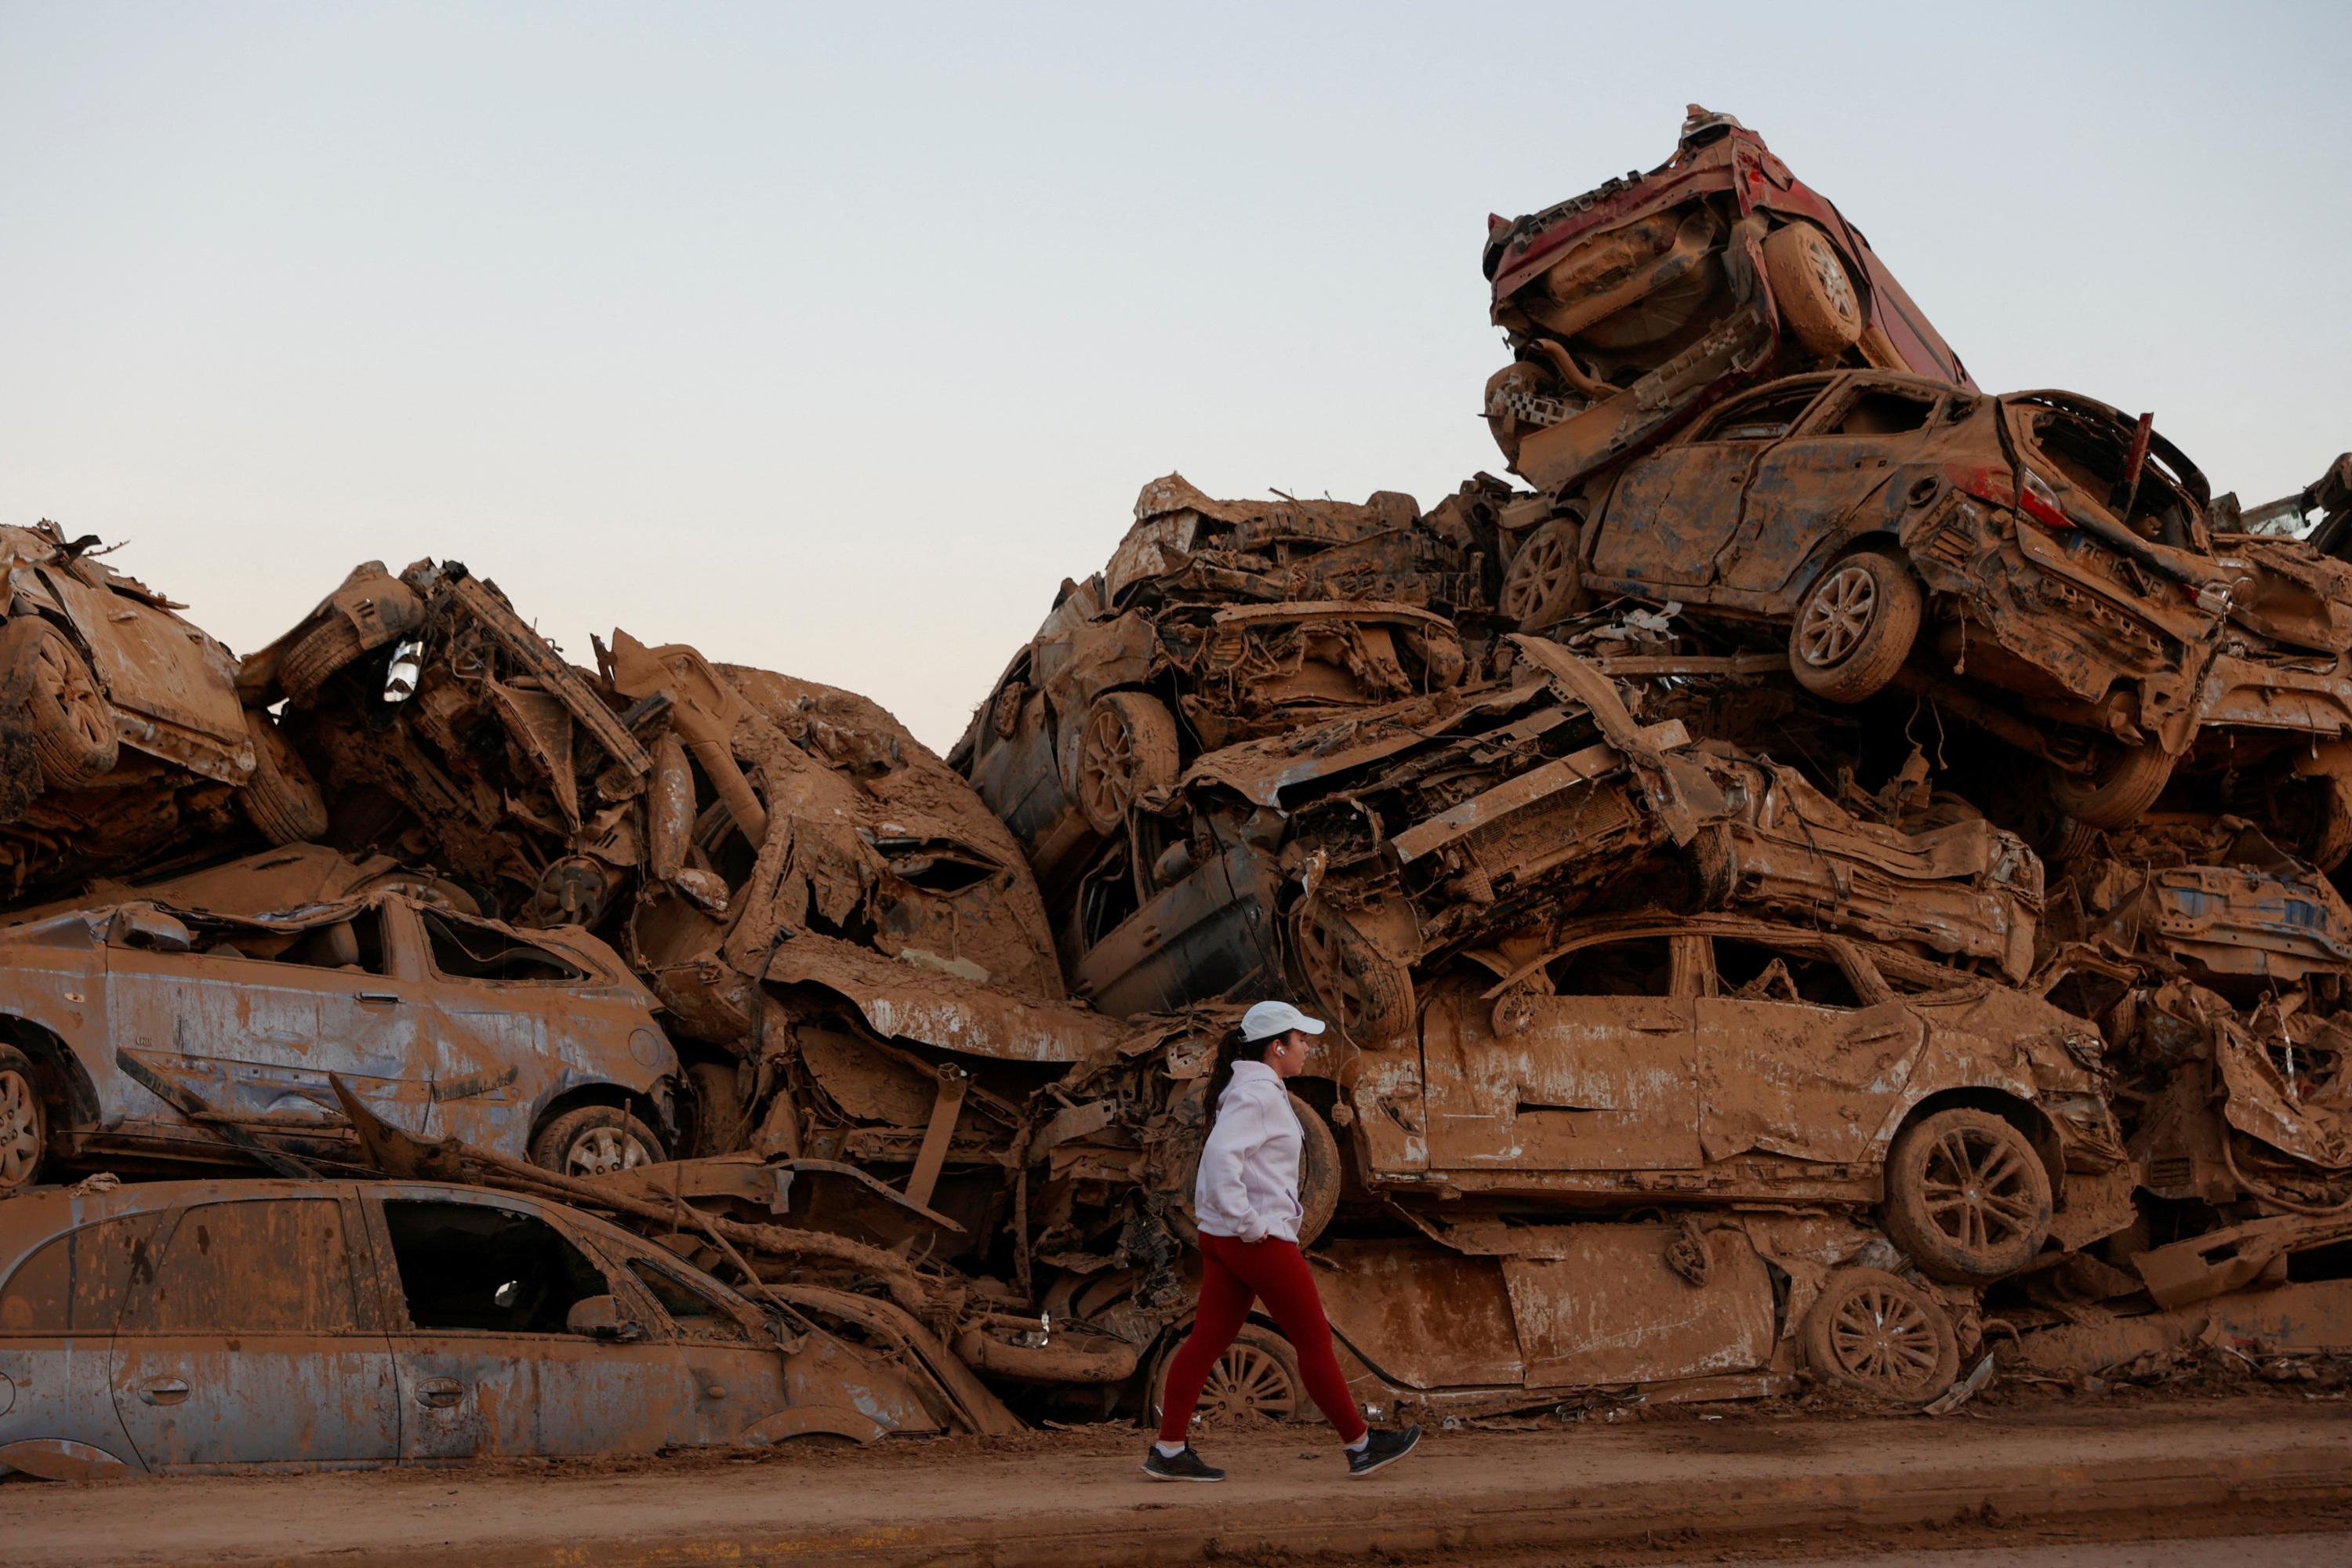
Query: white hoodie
{"points": [[1248, 1185]]}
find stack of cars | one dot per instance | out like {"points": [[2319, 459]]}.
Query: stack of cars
{"points": [[1825, 859]]}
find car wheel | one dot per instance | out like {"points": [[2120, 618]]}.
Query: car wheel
{"points": [[280, 798], [1256, 1380], [1366, 992], [2124, 783], [595, 1141], [1540, 586], [1811, 291], [71, 723], [1876, 1334], [1857, 627], [1127, 750], [318, 656], [1967, 1198], [24, 1124], [715, 1091]]}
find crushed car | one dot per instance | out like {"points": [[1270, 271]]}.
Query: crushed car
{"points": [[193, 1326]]}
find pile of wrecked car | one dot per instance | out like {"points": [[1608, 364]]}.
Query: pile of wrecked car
{"points": [[1827, 876]]}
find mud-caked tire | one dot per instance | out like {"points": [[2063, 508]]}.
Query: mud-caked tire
{"points": [[1874, 1335], [2125, 783], [595, 1141], [1968, 1198], [318, 656], [1857, 627], [281, 800], [1127, 750], [715, 1101], [70, 723], [24, 1123], [1813, 290], [1542, 582], [1256, 1380]]}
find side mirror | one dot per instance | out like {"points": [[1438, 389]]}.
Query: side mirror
{"points": [[148, 927], [599, 1317]]}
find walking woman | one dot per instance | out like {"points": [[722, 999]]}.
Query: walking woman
{"points": [[1245, 1203]]}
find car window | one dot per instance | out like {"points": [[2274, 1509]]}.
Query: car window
{"points": [[1756, 971], [698, 1315], [475, 950], [273, 1264], [487, 1268], [76, 1283], [354, 945], [1767, 416], [1633, 966], [1881, 411]]}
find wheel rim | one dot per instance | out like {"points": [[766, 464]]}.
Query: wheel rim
{"points": [[1536, 576], [1247, 1383], [1838, 617], [20, 1129], [1885, 1338], [1978, 1190], [1106, 766], [66, 679], [1337, 963], [600, 1150]]}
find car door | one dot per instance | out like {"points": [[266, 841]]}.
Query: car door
{"points": [[1802, 1050], [1671, 511], [490, 994], [252, 1342], [735, 1371], [1810, 485], [1207, 937], [254, 1019], [58, 1311], [1599, 1075], [493, 1349]]}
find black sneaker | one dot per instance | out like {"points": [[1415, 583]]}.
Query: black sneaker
{"points": [[1186, 1466], [1385, 1449]]}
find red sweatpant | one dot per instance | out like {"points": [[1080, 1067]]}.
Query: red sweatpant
{"points": [[1274, 1271]]}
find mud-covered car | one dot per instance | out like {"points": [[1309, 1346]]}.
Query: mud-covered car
{"points": [[1632, 306], [1215, 622], [1487, 1316], [176, 1326], [2041, 545], [121, 733], [1650, 1058], [139, 1032]]}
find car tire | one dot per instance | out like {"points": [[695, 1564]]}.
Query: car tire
{"points": [[595, 1141], [1856, 627], [1874, 1335], [70, 721], [1367, 993], [2126, 783], [1127, 750], [280, 799], [1256, 1380], [1813, 290], [1968, 1198], [714, 1092], [318, 656], [1544, 576], [24, 1123]]}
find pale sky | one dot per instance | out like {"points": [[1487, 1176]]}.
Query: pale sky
{"points": [[831, 338]]}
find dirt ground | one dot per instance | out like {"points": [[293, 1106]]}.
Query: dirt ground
{"points": [[2256, 1479]]}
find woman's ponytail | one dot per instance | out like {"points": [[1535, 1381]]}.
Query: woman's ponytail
{"points": [[1233, 1049]]}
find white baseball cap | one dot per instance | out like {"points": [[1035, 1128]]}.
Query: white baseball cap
{"points": [[1268, 1019]]}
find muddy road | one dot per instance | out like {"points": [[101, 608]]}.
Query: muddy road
{"points": [[2027, 1484]]}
